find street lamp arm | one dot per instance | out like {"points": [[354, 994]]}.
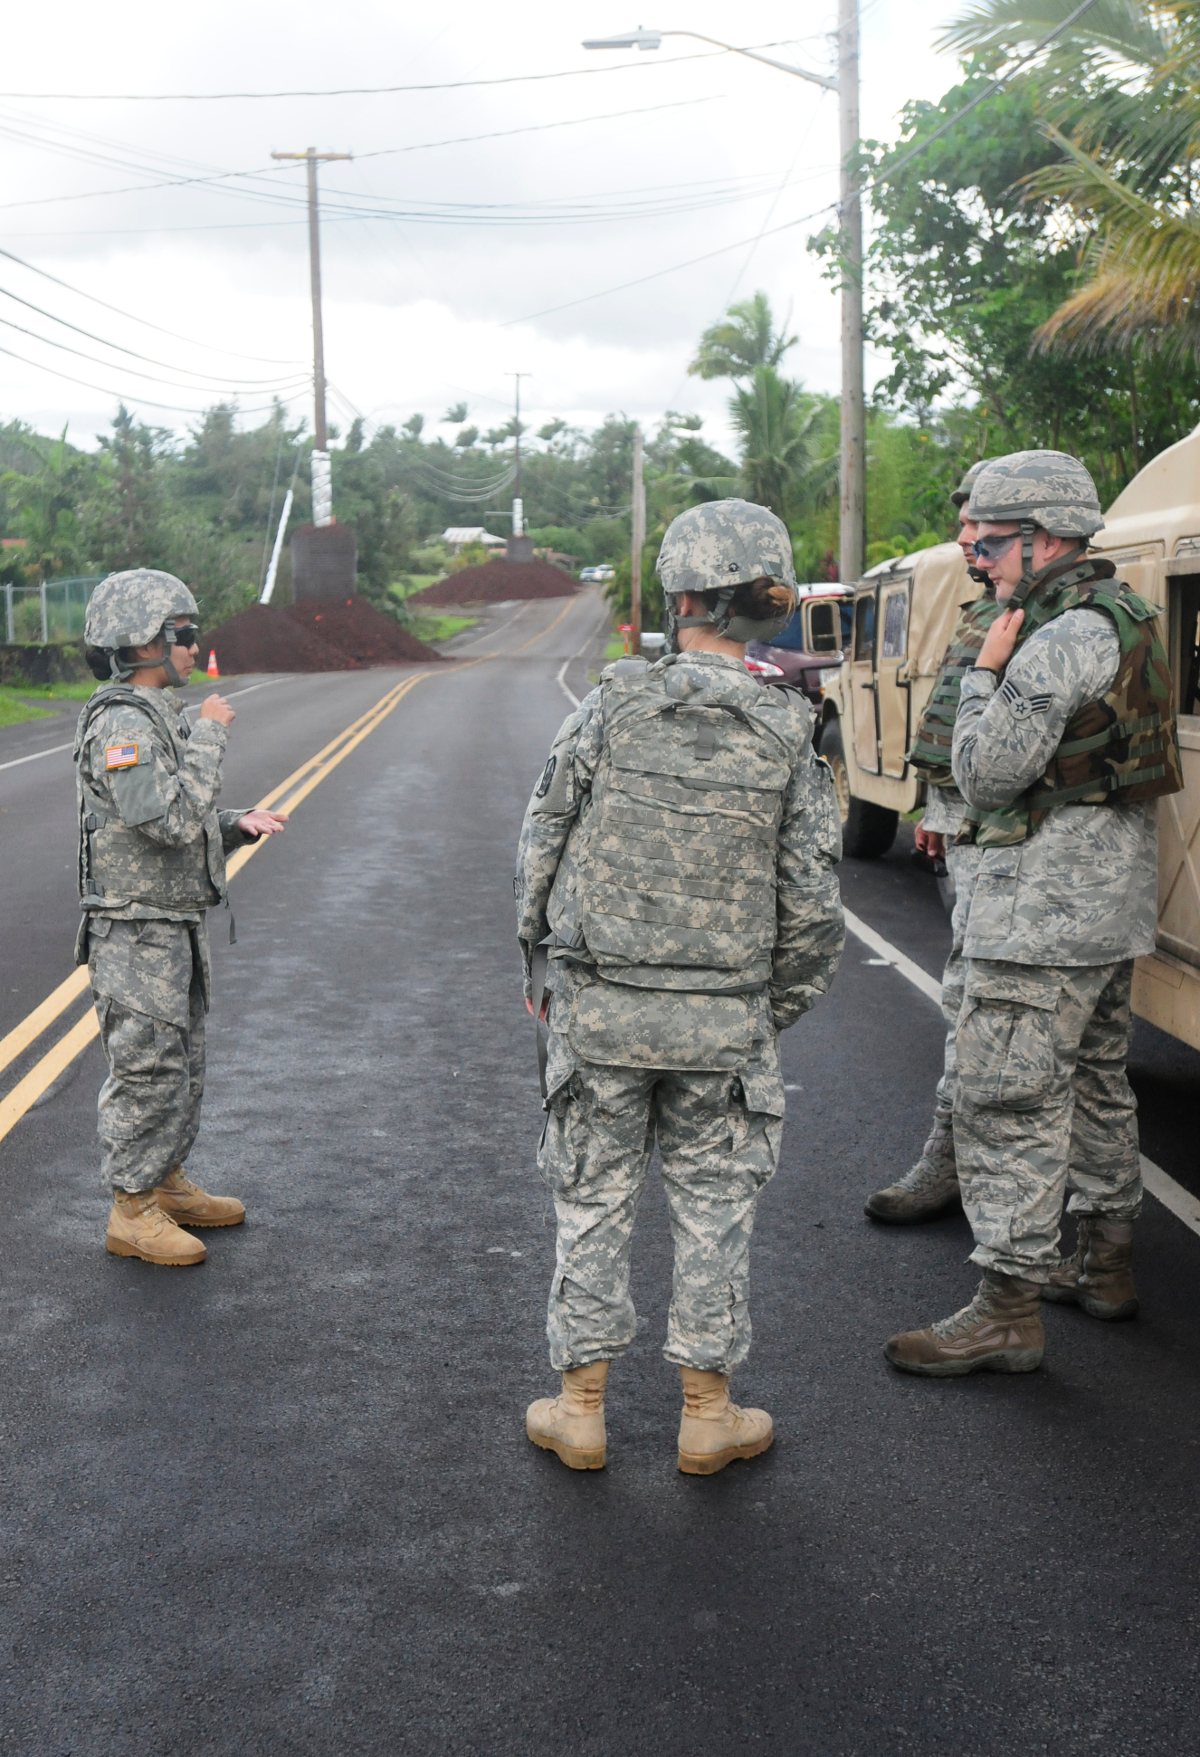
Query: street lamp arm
{"points": [[643, 39]]}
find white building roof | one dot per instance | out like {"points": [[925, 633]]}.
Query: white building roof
{"points": [[459, 534]]}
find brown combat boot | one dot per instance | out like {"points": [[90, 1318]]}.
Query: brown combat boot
{"points": [[572, 1424], [929, 1189], [188, 1204], [1099, 1277], [999, 1332], [712, 1430], [137, 1227]]}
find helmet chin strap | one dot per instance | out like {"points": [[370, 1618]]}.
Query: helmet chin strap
{"points": [[719, 618], [1031, 579]]}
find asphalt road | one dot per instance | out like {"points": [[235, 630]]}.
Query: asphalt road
{"points": [[284, 1503]]}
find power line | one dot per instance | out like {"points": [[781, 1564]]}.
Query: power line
{"points": [[291, 387], [141, 402], [357, 91], [184, 371], [257, 359]]}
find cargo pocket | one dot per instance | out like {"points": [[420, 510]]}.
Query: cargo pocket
{"points": [[1006, 1037]]}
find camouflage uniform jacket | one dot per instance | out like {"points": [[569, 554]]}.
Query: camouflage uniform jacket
{"points": [[808, 922], [149, 772], [1084, 889]]}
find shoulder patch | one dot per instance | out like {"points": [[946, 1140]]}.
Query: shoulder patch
{"points": [[1022, 706], [120, 756], [543, 786]]}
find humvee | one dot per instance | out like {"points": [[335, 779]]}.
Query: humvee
{"points": [[904, 614]]}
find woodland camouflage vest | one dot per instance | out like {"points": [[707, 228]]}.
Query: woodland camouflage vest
{"points": [[674, 873], [930, 754], [120, 866], [1115, 751]]}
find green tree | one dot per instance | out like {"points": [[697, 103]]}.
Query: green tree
{"points": [[741, 341]]}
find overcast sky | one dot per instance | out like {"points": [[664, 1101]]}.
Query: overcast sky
{"points": [[444, 263]]}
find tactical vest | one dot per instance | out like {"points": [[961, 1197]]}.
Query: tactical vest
{"points": [[671, 883], [119, 866], [930, 754], [1115, 751]]}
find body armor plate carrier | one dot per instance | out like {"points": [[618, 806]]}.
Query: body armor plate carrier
{"points": [[930, 753], [120, 866], [671, 883], [1115, 751]]}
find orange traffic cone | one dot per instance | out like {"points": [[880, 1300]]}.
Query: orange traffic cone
{"points": [[212, 664]]}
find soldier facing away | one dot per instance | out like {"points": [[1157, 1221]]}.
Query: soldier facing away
{"points": [[151, 864], [678, 853], [930, 1187], [1065, 736]]}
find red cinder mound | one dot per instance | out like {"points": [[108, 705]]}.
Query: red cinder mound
{"points": [[494, 582], [266, 639], [356, 629]]}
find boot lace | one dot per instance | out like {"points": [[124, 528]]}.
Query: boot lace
{"points": [[958, 1324], [924, 1174]]}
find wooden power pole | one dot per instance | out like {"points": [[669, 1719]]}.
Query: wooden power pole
{"points": [[322, 486], [638, 543], [852, 524]]}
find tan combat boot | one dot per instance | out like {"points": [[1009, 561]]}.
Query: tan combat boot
{"points": [[929, 1189], [712, 1430], [188, 1204], [1099, 1276], [137, 1227], [572, 1424], [999, 1332]]}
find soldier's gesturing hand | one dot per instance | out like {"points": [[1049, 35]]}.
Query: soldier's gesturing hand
{"points": [[217, 708], [1000, 641], [262, 823]]}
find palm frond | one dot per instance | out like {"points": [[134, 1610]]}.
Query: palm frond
{"points": [[1143, 268], [1125, 29]]}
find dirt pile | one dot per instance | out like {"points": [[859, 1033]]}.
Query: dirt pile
{"points": [[316, 635], [494, 582], [367, 635]]}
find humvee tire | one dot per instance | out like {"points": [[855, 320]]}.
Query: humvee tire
{"points": [[867, 830]]}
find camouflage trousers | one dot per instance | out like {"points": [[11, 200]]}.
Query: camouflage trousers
{"points": [[149, 1106], [719, 1137], [963, 866], [1043, 1105]]}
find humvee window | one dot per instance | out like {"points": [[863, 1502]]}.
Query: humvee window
{"points": [[895, 625], [864, 627], [824, 630]]}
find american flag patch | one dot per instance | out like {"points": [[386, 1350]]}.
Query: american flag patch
{"points": [[120, 756]]}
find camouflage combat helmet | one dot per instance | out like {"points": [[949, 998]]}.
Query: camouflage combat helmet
{"points": [[1032, 488], [131, 609], [963, 492], [716, 547]]}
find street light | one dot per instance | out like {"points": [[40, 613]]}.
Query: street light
{"points": [[852, 462]]}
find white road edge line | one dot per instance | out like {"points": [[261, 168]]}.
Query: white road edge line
{"points": [[33, 757], [55, 748], [561, 681], [1182, 1204], [931, 989]]}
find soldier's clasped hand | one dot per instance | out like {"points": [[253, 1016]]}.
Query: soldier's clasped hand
{"points": [[215, 707], [1000, 641]]}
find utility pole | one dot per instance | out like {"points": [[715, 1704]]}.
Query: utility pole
{"points": [[322, 483], [518, 505], [852, 468], [638, 544], [853, 465]]}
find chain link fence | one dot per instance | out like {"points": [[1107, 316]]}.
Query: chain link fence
{"points": [[53, 611]]}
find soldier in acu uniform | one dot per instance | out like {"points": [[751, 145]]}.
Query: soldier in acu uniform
{"points": [[151, 864], [930, 1187], [678, 856], [1065, 736]]}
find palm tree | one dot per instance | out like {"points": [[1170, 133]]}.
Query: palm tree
{"points": [[1134, 190], [745, 338], [783, 465]]}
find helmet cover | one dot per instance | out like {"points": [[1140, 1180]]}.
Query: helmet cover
{"points": [[718, 546]]}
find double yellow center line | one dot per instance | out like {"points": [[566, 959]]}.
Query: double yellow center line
{"points": [[285, 797]]}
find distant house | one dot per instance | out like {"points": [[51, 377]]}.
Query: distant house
{"points": [[459, 535]]}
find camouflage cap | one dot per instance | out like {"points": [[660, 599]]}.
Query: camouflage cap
{"points": [[963, 492], [1046, 488], [724, 543], [129, 609]]}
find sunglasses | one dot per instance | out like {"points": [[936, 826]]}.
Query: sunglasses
{"points": [[992, 548], [187, 637]]}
